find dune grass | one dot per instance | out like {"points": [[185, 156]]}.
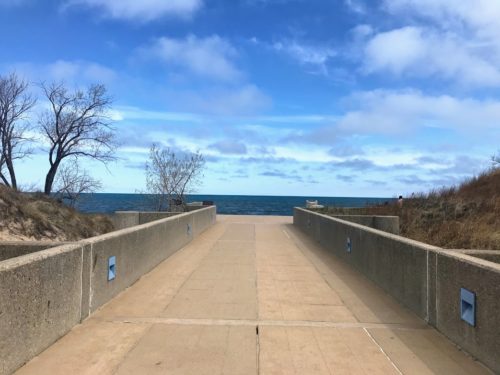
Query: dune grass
{"points": [[466, 216], [37, 217]]}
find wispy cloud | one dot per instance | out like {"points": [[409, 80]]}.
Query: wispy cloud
{"points": [[229, 147], [399, 112], [242, 100], [309, 55], [74, 72], [357, 6], [210, 57]]}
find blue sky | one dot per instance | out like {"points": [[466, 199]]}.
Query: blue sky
{"points": [[283, 97]]}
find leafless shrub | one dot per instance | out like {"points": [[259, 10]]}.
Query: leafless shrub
{"points": [[170, 176], [495, 159], [15, 104], [76, 125], [72, 181]]}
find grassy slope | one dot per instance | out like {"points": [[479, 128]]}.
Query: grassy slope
{"points": [[37, 217], [462, 217]]}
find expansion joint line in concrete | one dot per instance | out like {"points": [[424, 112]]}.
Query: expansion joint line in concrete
{"points": [[257, 339], [264, 323], [383, 352]]}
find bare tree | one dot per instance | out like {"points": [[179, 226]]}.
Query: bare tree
{"points": [[15, 104], [170, 176], [76, 125], [496, 160], [72, 181]]}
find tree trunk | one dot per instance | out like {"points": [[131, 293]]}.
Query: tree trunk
{"points": [[49, 180], [12, 173], [4, 180]]}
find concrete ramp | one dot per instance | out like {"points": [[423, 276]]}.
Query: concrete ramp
{"points": [[253, 295]]}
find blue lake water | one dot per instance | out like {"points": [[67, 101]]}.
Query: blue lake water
{"points": [[226, 204]]}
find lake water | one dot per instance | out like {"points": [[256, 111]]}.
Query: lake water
{"points": [[226, 204]]}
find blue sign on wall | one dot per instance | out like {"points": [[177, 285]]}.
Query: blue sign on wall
{"points": [[111, 268], [468, 306]]}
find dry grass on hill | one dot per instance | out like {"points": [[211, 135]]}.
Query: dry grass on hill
{"points": [[461, 217], [37, 217]]}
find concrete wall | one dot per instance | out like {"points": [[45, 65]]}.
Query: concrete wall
{"points": [[44, 294], [139, 249], [40, 301], [12, 249], [489, 255], [397, 264], [453, 272], [424, 278], [388, 224], [127, 219]]}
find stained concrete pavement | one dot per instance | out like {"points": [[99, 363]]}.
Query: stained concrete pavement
{"points": [[253, 295]]}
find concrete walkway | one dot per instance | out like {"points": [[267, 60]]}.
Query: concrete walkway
{"points": [[252, 295]]}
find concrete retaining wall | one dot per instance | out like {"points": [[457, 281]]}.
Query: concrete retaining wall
{"points": [[453, 272], [44, 294], [490, 255], [389, 224], [424, 278], [397, 264], [12, 249], [40, 301], [127, 219]]}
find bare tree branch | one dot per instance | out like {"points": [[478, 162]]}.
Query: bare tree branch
{"points": [[15, 105], [170, 177], [496, 160], [76, 126], [71, 182]]}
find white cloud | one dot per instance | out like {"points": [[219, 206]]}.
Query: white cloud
{"points": [[229, 147], [244, 100], [207, 57], [405, 113], [356, 6], [458, 41], [393, 112], [417, 52], [316, 56], [306, 54], [362, 31], [78, 71], [395, 50], [480, 16], [142, 10], [134, 113]]}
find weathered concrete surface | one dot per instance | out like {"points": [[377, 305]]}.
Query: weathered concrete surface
{"points": [[46, 293], [397, 264], [453, 272], [253, 295], [138, 250], [389, 224], [424, 278], [127, 219], [13, 249], [40, 301], [489, 255]]}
